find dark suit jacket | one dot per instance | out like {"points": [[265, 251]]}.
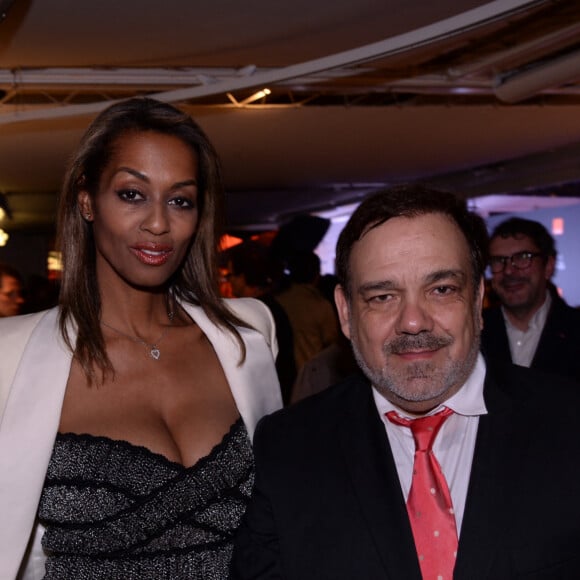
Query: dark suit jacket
{"points": [[327, 502], [558, 350]]}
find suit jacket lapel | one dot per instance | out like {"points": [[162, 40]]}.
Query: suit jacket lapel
{"points": [[374, 476], [499, 448], [495, 343], [27, 435]]}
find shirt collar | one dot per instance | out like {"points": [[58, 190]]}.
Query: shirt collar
{"points": [[467, 401]]}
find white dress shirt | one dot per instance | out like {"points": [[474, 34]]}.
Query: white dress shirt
{"points": [[523, 343], [455, 442]]}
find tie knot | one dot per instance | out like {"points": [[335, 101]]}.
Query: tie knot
{"points": [[424, 429]]}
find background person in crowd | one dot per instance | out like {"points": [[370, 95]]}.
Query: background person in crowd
{"points": [[490, 489], [311, 316], [41, 294], [332, 364], [129, 409], [249, 275], [11, 298], [533, 326]]}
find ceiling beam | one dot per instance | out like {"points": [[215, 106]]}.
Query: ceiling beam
{"points": [[395, 45]]}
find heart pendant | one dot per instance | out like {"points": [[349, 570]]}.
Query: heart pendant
{"points": [[155, 353]]}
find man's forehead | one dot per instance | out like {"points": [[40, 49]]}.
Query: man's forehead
{"points": [[440, 227], [516, 239], [9, 282], [425, 245]]}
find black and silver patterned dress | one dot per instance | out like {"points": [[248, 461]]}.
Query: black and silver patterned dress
{"points": [[116, 511]]}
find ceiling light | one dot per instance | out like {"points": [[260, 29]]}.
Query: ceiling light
{"points": [[54, 261], [4, 7], [255, 97], [5, 210], [3, 238]]}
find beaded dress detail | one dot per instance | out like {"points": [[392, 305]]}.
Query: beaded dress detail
{"points": [[113, 510]]}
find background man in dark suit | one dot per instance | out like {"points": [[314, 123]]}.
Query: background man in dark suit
{"points": [[533, 327], [334, 472]]}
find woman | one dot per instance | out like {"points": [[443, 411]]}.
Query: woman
{"points": [[124, 442]]}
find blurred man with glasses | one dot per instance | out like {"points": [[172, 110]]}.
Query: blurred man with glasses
{"points": [[11, 299], [533, 326]]}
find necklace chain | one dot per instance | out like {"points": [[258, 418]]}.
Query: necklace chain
{"points": [[153, 347]]}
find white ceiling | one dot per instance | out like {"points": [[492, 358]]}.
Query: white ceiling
{"points": [[364, 93]]}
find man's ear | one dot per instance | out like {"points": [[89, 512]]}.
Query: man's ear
{"points": [[85, 204], [343, 309]]}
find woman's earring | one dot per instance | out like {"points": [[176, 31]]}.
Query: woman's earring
{"points": [[88, 216]]}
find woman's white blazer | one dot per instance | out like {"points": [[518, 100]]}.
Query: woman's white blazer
{"points": [[34, 368]]}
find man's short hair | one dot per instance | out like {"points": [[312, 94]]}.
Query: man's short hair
{"points": [[10, 272], [412, 201], [252, 260], [515, 227], [304, 267]]}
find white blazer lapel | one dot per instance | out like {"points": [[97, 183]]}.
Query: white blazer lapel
{"points": [[254, 384], [27, 433]]}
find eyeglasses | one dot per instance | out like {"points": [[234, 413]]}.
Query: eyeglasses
{"points": [[519, 260]]}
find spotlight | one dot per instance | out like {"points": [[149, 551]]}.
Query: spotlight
{"points": [[5, 210]]}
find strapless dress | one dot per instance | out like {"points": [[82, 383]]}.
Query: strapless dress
{"points": [[113, 510]]}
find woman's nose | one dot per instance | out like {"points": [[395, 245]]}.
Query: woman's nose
{"points": [[156, 220]]}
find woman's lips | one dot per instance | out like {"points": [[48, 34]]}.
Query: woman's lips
{"points": [[152, 255]]}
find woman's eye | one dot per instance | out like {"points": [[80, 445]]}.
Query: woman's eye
{"points": [[182, 202], [129, 194]]}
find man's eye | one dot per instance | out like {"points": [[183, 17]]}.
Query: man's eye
{"points": [[380, 298], [444, 290]]}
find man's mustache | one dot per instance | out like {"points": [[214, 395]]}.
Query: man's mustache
{"points": [[417, 342], [513, 280]]}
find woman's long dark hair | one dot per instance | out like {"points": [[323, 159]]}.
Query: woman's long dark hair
{"points": [[195, 282]]}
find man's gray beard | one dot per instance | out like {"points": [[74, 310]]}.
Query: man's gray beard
{"points": [[388, 384]]}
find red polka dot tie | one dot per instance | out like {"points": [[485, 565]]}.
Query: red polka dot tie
{"points": [[429, 503]]}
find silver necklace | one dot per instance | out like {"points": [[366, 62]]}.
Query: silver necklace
{"points": [[153, 347]]}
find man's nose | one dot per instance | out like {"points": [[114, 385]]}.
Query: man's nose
{"points": [[414, 317], [508, 267]]}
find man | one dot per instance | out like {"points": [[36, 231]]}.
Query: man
{"points": [[311, 315], [340, 491], [11, 299], [533, 327]]}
